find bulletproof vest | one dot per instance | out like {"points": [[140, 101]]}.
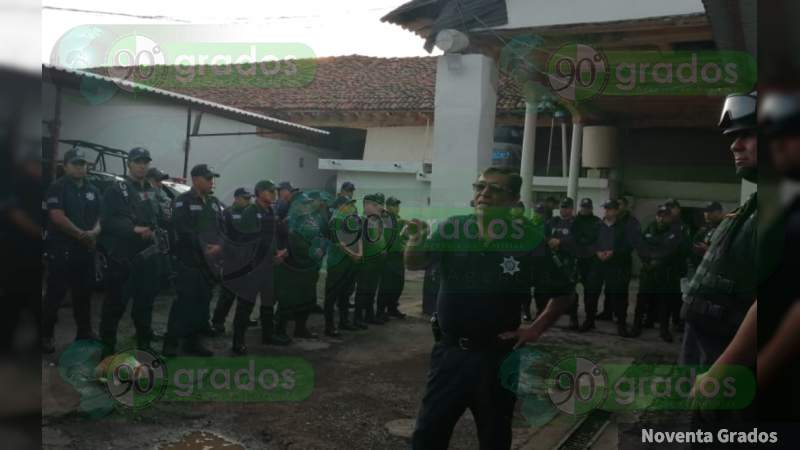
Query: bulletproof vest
{"points": [[142, 202], [726, 274], [586, 230]]}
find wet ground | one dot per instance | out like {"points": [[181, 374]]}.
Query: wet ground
{"points": [[367, 388]]}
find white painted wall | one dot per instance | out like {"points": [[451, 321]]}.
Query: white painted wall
{"points": [[540, 13], [412, 193], [126, 121], [399, 144]]}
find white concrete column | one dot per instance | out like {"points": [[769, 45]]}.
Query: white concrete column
{"points": [[528, 154], [463, 127], [575, 161]]}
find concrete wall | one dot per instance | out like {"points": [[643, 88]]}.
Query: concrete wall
{"points": [[126, 121], [413, 194], [399, 144], [539, 13]]}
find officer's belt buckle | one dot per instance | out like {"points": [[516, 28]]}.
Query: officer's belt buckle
{"points": [[464, 343]]}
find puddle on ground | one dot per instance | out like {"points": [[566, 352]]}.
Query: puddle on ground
{"points": [[202, 440]]}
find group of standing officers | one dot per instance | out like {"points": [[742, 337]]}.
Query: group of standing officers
{"points": [[598, 253], [268, 247]]}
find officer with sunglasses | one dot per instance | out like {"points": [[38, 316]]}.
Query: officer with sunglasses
{"points": [[488, 261]]}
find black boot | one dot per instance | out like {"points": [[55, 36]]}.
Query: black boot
{"points": [[170, 347], [573, 323], [279, 337], [267, 325], [344, 322], [239, 347], [636, 331], [587, 325], [300, 329], [195, 347]]}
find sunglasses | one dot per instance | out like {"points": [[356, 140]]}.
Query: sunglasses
{"points": [[480, 186]]}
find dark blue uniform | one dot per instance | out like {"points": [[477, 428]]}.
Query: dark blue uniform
{"points": [[197, 222], [134, 264], [483, 284], [659, 282], [70, 263]]}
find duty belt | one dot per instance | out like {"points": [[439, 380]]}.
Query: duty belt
{"points": [[477, 343]]}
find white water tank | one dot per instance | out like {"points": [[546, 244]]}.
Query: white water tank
{"points": [[600, 148]]}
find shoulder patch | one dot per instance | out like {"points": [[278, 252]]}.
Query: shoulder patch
{"points": [[178, 204], [195, 207]]}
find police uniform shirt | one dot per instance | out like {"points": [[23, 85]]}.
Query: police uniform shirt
{"points": [[197, 222], [561, 228], [585, 231], [660, 242], [235, 222], [483, 282], [81, 205], [128, 204]]}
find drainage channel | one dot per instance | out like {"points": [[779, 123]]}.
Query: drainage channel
{"points": [[585, 432]]}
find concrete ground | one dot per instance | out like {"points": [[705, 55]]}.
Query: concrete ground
{"points": [[367, 388]]}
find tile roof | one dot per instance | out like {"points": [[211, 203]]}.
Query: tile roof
{"points": [[349, 84]]}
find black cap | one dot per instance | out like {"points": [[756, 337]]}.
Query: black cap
{"points": [[611, 204], [662, 210], [587, 203], [377, 198], [392, 201], [567, 202], [287, 186], [74, 154], [242, 192], [713, 206], [154, 173], [264, 185], [672, 203], [138, 153], [342, 200], [539, 208], [203, 170], [348, 186]]}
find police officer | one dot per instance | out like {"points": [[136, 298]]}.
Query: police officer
{"points": [[560, 238], [285, 194], [633, 232], [302, 234], [712, 215], [73, 206], [613, 250], [585, 231], [659, 282], [198, 225], [347, 190], [393, 277], [723, 287], [260, 223], [371, 264], [342, 264], [155, 177], [234, 230], [485, 276], [134, 237]]}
